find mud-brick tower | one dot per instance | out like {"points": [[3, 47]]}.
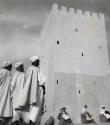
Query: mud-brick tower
{"points": [[76, 47]]}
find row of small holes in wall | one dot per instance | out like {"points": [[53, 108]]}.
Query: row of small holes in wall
{"points": [[100, 47], [78, 90]]}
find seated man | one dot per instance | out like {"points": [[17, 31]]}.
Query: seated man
{"points": [[104, 114], [64, 117], [86, 116]]}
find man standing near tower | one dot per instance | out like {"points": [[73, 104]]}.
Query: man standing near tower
{"points": [[31, 98], [5, 92], [17, 84]]}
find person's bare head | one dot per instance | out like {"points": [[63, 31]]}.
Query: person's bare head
{"points": [[63, 108], [103, 107]]}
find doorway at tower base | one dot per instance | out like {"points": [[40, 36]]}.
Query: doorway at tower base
{"points": [[76, 90]]}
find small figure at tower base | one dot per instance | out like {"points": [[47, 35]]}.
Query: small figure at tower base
{"points": [[86, 117], [64, 117]]}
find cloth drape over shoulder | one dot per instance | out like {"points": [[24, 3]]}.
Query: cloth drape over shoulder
{"points": [[30, 93], [17, 84], [31, 97], [5, 94]]}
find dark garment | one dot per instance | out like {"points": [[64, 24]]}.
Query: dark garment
{"points": [[61, 118], [65, 122], [107, 112], [50, 121], [85, 119], [43, 87]]}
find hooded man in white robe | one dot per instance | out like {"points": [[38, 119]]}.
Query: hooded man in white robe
{"points": [[17, 84], [31, 98], [5, 92]]}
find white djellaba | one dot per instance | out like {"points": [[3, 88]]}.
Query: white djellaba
{"points": [[5, 91], [31, 98], [17, 84]]}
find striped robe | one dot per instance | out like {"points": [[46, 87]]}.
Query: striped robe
{"points": [[5, 94], [17, 84], [31, 97]]}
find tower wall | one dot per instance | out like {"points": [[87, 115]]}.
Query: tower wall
{"points": [[76, 45], [82, 38]]}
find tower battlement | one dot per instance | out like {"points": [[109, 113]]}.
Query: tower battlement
{"points": [[86, 13], [88, 39]]}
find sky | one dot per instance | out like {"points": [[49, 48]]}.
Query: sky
{"points": [[22, 21]]}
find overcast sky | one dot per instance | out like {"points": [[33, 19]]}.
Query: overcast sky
{"points": [[22, 21]]}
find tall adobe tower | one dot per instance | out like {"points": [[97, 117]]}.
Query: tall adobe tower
{"points": [[76, 47]]}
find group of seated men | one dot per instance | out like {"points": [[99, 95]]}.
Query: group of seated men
{"points": [[88, 118]]}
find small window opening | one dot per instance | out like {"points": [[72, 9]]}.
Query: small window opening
{"points": [[79, 91], [76, 29], [57, 82], [58, 42], [82, 54]]}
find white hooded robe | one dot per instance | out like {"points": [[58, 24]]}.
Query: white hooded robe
{"points": [[17, 84], [5, 94], [31, 97]]}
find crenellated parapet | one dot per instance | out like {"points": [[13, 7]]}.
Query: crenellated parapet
{"points": [[73, 11]]}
